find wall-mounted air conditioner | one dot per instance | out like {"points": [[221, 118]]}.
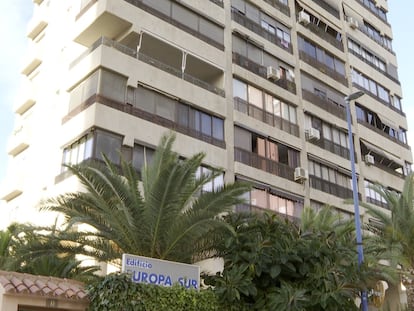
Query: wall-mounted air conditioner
{"points": [[369, 159], [304, 18], [314, 134], [301, 174], [273, 73], [353, 23]]}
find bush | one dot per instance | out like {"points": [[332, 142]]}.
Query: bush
{"points": [[118, 292]]}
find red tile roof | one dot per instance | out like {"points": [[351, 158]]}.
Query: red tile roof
{"points": [[22, 283]]}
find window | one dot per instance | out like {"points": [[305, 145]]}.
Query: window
{"points": [[370, 86], [316, 52], [270, 149], [270, 199], [141, 156], [264, 101], [215, 184], [329, 179], [170, 112], [373, 119], [372, 196], [95, 144]]}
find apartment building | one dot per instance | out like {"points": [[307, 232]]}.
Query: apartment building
{"points": [[258, 85]]}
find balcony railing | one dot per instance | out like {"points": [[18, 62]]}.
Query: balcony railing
{"points": [[327, 7], [129, 109], [395, 79], [262, 71], [374, 11], [326, 36], [331, 146], [257, 28], [378, 39], [331, 188], [322, 67], [382, 133], [150, 61], [377, 202], [325, 104], [257, 209], [266, 117], [254, 160], [168, 19], [282, 7], [379, 99]]}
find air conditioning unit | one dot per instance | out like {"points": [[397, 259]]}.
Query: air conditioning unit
{"points": [[300, 174], [304, 18], [273, 73], [353, 23], [314, 134], [369, 159]]}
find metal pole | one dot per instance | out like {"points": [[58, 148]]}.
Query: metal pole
{"points": [[360, 250]]}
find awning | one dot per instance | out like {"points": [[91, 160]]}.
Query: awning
{"points": [[383, 153]]}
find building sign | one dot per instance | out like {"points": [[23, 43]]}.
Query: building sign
{"points": [[160, 272]]}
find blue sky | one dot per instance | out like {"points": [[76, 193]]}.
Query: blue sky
{"points": [[15, 14]]}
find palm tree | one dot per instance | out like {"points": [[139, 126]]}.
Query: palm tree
{"points": [[32, 249], [164, 213], [396, 229]]}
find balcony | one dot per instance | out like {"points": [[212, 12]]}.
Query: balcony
{"points": [[331, 147], [375, 37], [198, 73], [325, 36], [383, 134], [26, 98], [151, 117], [325, 104], [258, 29], [266, 117], [254, 160], [327, 7], [262, 71], [195, 32], [19, 140], [297, 211], [33, 58], [104, 23], [38, 21], [331, 188], [280, 6], [379, 99], [359, 56], [375, 10], [323, 68]]}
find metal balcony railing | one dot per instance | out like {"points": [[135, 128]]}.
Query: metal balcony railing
{"points": [[266, 117], [151, 61], [327, 7], [325, 104], [257, 28], [282, 7], [395, 79], [383, 134], [262, 163], [329, 187], [262, 71], [323, 68], [326, 36]]}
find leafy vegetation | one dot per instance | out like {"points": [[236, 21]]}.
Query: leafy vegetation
{"points": [[273, 264], [117, 292]]}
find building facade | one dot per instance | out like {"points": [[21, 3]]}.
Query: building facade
{"points": [[258, 85]]}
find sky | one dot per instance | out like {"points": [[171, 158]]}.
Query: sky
{"points": [[15, 14]]}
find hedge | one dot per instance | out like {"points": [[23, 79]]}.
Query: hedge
{"points": [[118, 292]]}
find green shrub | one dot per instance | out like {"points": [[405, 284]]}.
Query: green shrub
{"points": [[118, 292]]}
